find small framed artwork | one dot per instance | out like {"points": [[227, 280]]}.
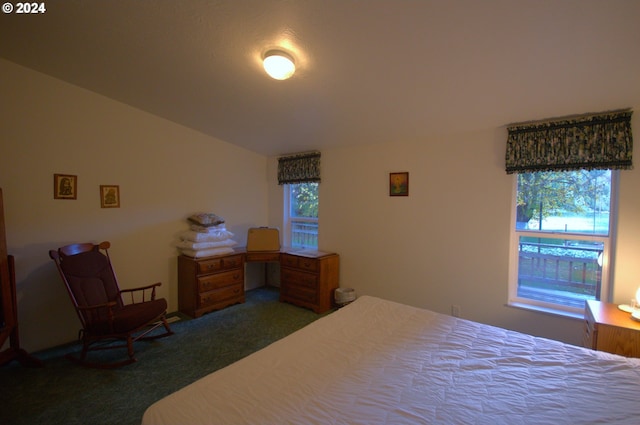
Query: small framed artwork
{"points": [[109, 196], [399, 184], [65, 186]]}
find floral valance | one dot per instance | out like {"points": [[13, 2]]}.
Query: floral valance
{"points": [[300, 168], [601, 141]]}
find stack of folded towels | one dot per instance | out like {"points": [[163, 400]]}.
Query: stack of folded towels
{"points": [[207, 236]]}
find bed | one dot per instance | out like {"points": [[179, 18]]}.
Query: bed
{"points": [[380, 362]]}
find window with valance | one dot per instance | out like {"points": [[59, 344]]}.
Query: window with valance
{"points": [[565, 209], [300, 174], [597, 141], [299, 168]]}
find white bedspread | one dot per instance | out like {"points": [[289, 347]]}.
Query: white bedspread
{"points": [[379, 362]]}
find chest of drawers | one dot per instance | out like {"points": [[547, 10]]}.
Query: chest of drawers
{"points": [[309, 281], [210, 283], [607, 328]]}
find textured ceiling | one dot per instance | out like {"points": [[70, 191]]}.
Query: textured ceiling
{"points": [[368, 71]]}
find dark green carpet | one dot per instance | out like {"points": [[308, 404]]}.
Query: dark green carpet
{"points": [[64, 393]]}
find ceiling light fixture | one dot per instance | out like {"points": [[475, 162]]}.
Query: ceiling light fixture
{"points": [[278, 64]]}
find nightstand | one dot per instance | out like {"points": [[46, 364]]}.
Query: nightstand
{"points": [[610, 329]]}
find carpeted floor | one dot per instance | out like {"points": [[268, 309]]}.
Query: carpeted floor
{"points": [[64, 393]]}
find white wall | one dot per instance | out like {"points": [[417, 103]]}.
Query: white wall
{"points": [[165, 172], [448, 241]]}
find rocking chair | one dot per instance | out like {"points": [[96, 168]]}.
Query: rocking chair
{"points": [[92, 285]]}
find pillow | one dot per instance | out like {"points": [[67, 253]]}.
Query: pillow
{"points": [[206, 245], [206, 252], [207, 229], [206, 219], [219, 235]]}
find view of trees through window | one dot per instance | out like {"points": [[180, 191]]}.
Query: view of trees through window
{"points": [[304, 200], [571, 201], [562, 221], [303, 214]]}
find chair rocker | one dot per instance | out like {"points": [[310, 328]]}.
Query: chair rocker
{"points": [[92, 285]]}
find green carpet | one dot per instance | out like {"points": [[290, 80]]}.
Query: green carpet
{"points": [[64, 393]]}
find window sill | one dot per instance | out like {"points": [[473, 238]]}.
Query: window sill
{"points": [[546, 310]]}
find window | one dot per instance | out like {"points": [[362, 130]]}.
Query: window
{"points": [[301, 215], [300, 176], [562, 238], [565, 209]]}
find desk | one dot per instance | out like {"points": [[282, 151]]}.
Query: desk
{"points": [[307, 279]]}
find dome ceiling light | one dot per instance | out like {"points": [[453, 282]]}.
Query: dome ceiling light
{"points": [[278, 64]]}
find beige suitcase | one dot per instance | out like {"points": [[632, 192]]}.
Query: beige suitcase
{"points": [[263, 239]]}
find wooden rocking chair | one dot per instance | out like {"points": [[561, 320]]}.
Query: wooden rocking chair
{"points": [[92, 285]]}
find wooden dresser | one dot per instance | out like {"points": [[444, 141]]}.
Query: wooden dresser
{"points": [[309, 279], [210, 283], [610, 329]]}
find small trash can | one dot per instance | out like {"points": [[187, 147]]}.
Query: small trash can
{"points": [[344, 296]]}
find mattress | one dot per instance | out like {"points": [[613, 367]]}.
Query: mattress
{"points": [[380, 362]]}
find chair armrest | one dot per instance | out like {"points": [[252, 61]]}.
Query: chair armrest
{"points": [[148, 291], [141, 288], [108, 305]]}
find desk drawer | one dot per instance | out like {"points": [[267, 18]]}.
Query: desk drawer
{"points": [[307, 296], [302, 263], [288, 260], [218, 264], [220, 295], [298, 278], [220, 280]]}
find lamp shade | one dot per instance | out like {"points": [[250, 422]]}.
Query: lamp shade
{"points": [[279, 65]]}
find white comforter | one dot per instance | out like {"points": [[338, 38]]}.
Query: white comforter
{"points": [[379, 362]]}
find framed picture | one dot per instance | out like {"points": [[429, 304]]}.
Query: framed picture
{"points": [[109, 196], [398, 184], [65, 186]]}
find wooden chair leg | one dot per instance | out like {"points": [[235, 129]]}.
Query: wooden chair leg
{"points": [[130, 348], [83, 360], [87, 342], [85, 350], [166, 326]]}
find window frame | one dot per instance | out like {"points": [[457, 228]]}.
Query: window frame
{"points": [[288, 220], [608, 256]]}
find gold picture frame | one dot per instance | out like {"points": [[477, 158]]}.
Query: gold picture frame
{"points": [[65, 186], [109, 196], [399, 184]]}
